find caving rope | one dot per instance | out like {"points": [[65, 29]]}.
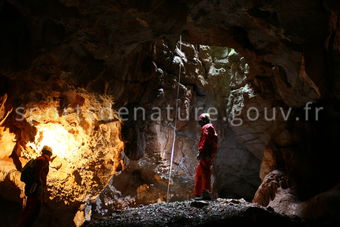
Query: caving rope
{"points": [[175, 122]]}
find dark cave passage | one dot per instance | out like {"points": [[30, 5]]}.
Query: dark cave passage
{"points": [[97, 81]]}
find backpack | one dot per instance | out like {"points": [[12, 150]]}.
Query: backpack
{"points": [[28, 172]]}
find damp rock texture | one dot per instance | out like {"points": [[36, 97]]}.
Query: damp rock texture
{"points": [[189, 213], [84, 134]]}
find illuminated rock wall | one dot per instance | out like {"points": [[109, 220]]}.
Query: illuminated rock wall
{"points": [[87, 149], [82, 129]]}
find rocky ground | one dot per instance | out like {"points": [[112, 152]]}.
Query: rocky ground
{"points": [[203, 213]]}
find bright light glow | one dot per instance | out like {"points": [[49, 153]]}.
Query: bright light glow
{"points": [[63, 143]]}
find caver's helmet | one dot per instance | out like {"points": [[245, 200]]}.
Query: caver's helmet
{"points": [[47, 150], [204, 119]]}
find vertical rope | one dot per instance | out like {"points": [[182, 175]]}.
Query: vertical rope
{"points": [[175, 123]]}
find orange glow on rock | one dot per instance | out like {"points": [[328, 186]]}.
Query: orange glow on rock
{"points": [[63, 143], [87, 150]]}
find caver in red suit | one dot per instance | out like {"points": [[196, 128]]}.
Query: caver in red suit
{"points": [[35, 191], [207, 149]]}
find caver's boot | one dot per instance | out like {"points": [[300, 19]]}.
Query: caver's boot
{"points": [[198, 197], [206, 195]]}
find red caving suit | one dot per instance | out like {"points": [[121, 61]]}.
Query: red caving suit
{"points": [[35, 197], [207, 148]]}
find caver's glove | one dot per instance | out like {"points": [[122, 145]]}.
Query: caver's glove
{"points": [[198, 156]]}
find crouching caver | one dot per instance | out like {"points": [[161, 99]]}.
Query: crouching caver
{"points": [[207, 149], [35, 179]]}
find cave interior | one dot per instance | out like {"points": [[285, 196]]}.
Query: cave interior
{"points": [[107, 84]]}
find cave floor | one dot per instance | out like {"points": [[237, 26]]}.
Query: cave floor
{"points": [[221, 212]]}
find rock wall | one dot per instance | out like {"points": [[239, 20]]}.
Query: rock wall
{"points": [[83, 132], [204, 86]]}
